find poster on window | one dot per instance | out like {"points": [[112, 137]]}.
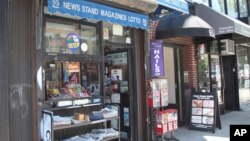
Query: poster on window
{"points": [[203, 111], [116, 74]]}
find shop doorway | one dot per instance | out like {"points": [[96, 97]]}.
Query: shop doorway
{"points": [[230, 82], [119, 87], [174, 75]]}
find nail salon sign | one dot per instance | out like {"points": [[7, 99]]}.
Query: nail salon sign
{"points": [[157, 63]]}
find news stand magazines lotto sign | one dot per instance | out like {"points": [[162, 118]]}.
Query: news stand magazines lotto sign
{"points": [[90, 10], [203, 111]]}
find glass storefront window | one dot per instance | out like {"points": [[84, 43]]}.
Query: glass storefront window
{"points": [[243, 74], [216, 76], [232, 10], [218, 5], [117, 33], [243, 8], [203, 73], [71, 38], [68, 79], [205, 2], [209, 79]]}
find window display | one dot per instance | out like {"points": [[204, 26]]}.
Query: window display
{"points": [[66, 80]]}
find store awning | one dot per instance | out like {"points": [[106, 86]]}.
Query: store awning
{"points": [[183, 25], [178, 5], [85, 9], [221, 23]]}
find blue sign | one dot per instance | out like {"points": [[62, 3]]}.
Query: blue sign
{"points": [[179, 5], [90, 10], [157, 63]]}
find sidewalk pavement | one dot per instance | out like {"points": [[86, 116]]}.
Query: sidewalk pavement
{"points": [[233, 117]]}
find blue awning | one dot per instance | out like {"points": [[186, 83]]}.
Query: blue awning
{"points": [[90, 10], [178, 5]]}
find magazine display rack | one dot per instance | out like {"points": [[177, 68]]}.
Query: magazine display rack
{"points": [[98, 123], [163, 121]]}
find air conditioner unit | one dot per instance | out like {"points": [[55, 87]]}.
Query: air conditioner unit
{"points": [[227, 47]]}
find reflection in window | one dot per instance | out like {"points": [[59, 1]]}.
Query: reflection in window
{"points": [[232, 10], [67, 38], [243, 8], [243, 64], [205, 2], [117, 33], [216, 76], [218, 5], [203, 73], [243, 67]]}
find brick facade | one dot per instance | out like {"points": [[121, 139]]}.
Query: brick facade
{"points": [[189, 53]]}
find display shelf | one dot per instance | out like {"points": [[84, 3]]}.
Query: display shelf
{"points": [[110, 138], [68, 99], [72, 107], [84, 123]]}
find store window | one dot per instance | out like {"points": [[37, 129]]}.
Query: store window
{"points": [[71, 38], [209, 70], [218, 5], [216, 76], [203, 73], [113, 33], [68, 79], [72, 59], [243, 63], [232, 9], [243, 8]]}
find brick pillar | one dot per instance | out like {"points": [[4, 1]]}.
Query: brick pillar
{"points": [[192, 66]]}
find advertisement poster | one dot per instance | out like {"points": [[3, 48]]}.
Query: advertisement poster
{"points": [[73, 42], [203, 111], [157, 64], [46, 126], [116, 74], [126, 116]]}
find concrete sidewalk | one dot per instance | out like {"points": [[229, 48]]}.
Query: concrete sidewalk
{"points": [[234, 117]]}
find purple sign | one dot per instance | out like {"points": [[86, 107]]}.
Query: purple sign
{"points": [[157, 63]]}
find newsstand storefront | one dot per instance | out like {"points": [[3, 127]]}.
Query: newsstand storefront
{"points": [[90, 72], [173, 69], [226, 59]]}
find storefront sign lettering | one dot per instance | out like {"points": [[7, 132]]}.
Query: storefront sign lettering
{"points": [[86, 9], [157, 65]]}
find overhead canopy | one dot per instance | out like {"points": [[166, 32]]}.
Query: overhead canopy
{"points": [[221, 23], [184, 25], [90, 10]]}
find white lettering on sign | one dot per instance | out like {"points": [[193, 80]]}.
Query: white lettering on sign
{"points": [[113, 15], [239, 132], [71, 6], [134, 20], [90, 10]]}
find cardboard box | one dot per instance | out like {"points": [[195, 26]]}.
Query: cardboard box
{"points": [[79, 116]]}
